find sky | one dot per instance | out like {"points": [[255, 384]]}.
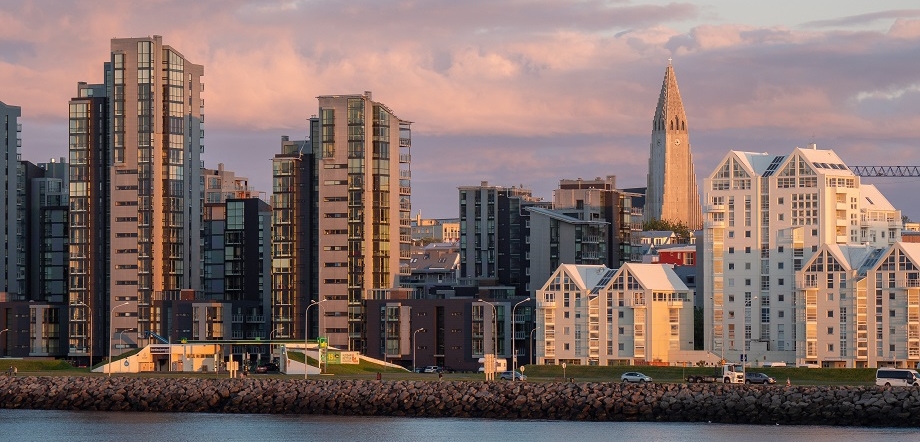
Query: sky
{"points": [[516, 92]]}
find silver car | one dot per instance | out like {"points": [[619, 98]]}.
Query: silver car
{"points": [[634, 376], [512, 375]]}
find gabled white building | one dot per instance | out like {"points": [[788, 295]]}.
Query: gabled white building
{"points": [[592, 315], [766, 216], [860, 307]]}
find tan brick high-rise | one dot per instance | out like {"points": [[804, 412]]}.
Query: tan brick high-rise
{"points": [[672, 193]]}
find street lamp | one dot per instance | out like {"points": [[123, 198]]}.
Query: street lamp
{"points": [[121, 335], [271, 347], [306, 333], [513, 339], [111, 329], [532, 339], [414, 342], [494, 329], [89, 337]]}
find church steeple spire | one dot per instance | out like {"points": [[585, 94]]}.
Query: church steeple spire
{"points": [[672, 193], [670, 115]]}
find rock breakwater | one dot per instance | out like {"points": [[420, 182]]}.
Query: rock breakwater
{"points": [[798, 405]]}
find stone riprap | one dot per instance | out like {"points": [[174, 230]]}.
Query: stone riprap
{"points": [[796, 405]]}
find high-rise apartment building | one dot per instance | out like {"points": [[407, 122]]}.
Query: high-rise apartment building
{"points": [[766, 217], [135, 146], [672, 194], [600, 200], [364, 210], [10, 129], [494, 234]]}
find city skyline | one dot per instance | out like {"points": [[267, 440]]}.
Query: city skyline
{"points": [[564, 90]]}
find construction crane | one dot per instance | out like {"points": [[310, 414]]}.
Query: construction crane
{"points": [[886, 171]]}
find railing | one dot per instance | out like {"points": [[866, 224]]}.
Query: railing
{"points": [[546, 304]]}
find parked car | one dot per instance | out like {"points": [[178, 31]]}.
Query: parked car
{"points": [[419, 369], [758, 378], [270, 367], [448, 370], [634, 376], [432, 369], [512, 375]]}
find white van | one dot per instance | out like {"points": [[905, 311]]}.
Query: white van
{"points": [[897, 377]]}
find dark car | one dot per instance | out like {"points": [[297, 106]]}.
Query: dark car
{"points": [[270, 367], [758, 378], [448, 370]]}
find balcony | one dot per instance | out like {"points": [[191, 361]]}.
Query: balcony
{"points": [[803, 285], [714, 208], [715, 224], [405, 158], [546, 304]]}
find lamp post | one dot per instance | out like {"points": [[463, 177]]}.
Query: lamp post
{"points": [[494, 329], [306, 334], [4, 330], [271, 347], [414, 342], [89, 337], [111, 329], [121, 334], [513, 339], [532, 339]]}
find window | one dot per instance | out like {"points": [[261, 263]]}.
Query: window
{"points": [[891, 313], [779, 200], [830, 330], [780, 298], [780, 265], [779, 249], [747, 266], [731, 298], [731, 233], [620, 346], [830, 296], [747, 233], [620, 314], [731, 266], [830, 313], [747, 249], [780, 281], [747, 281], [891, 296], [781, 313], [830, 347], [620, 331], [731, 250]]}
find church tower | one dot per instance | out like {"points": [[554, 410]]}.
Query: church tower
{"points": [[672, 193]]}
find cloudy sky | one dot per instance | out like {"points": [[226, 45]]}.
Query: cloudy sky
{"points": [[513, 92]]}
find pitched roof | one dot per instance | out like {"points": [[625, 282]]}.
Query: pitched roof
{"points": [[655, 276]]}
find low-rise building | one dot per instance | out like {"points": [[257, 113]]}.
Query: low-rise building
{"points": [[592, 315]]}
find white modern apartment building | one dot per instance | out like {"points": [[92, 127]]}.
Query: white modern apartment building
{"points": [[766, 217], [860, 307], [592, 315]]}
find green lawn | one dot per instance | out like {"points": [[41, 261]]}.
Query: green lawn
{"points": [[535, 373]]}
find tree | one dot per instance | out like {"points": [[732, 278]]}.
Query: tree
{"points": [[679, 228]]}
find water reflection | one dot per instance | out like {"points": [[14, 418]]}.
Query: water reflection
{"points": [[27, 425]]}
